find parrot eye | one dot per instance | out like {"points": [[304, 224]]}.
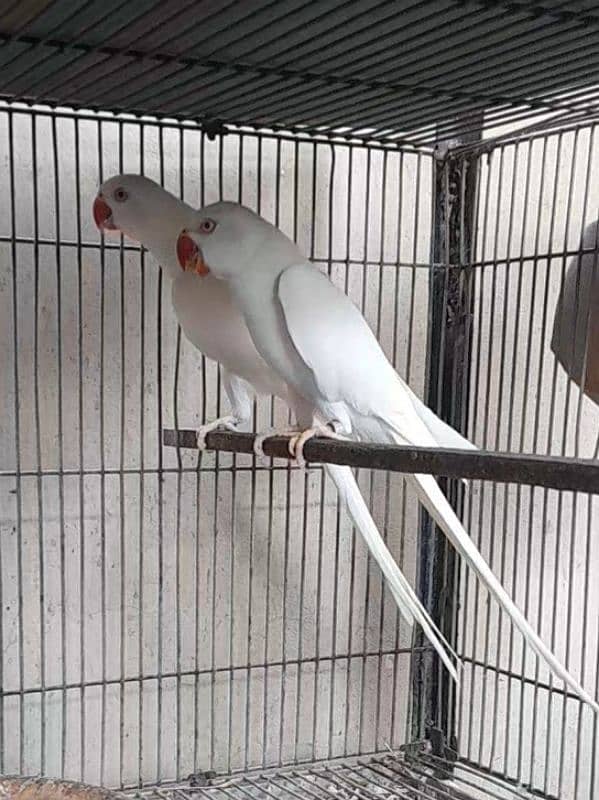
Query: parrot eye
{"points": [[207, 226], [120, 194]]}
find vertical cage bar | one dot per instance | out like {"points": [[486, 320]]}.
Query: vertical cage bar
{"points": [[38, 445], [122, 434], [493, 349], [81, 487], [102, 422], [371, 581], [337, 541], [18, 483], [61, 512], [178, 510], [142, 712]]}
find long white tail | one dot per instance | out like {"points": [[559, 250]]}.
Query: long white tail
{"points": [[444, 434], [436, 504], [403, 594]]}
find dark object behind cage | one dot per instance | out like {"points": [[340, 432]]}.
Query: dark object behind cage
{"points": [[575, 340]]}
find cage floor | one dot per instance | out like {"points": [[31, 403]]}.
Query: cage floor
{"points": [[381, 778]]}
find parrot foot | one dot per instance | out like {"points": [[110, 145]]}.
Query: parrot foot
{"points": [[229, 423], [262, 437], [297, 442]]}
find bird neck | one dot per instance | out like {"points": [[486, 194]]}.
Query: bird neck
{"points": [[161, 233]]}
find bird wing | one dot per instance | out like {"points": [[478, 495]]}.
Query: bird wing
{"points": [[334, 340]]}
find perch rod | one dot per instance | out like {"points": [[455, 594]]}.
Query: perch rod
{"points": [[551, 472]]}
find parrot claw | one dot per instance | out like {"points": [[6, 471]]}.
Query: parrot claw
{"points": [[262, 437], [297, 442], [337, 428], [229, 423]]}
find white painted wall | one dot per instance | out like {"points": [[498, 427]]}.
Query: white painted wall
{"points": [[543, 543], [216, 543], [227, 547]]}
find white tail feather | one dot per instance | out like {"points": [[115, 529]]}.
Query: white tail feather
{"points": [[436, 504], [403, 594], [442, 433]]}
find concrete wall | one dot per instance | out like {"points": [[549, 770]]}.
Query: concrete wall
{"points": [[144, 569], [156, 596], [535, 198]]}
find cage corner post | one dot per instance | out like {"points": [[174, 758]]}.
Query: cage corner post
{"points": [[448, 356]]}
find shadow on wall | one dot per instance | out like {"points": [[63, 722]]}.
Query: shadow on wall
{"points": [[575, 339]]}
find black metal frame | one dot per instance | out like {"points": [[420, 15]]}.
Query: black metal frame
{"points": [[448, 379]]}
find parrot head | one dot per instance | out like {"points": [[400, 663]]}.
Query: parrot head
{"points": [[133, 205], [229, 239]]}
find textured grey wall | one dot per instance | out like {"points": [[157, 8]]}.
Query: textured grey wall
{"points": [[102, 540]]}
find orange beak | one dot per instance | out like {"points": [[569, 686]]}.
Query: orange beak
{"points": [[103, 215], [190, 256]]}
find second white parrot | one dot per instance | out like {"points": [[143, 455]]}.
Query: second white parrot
{"points": [[317, 341]]}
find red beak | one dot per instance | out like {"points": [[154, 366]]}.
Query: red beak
{"points": [[190, 256], [103, 215]]}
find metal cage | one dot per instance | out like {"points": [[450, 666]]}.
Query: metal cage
{"points": [[180, 626]]}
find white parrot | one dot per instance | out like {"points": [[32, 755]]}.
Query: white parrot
{"points": [[318, 342], [147, 213]]}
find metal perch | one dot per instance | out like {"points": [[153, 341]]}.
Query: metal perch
{"points": [[574, 474]]}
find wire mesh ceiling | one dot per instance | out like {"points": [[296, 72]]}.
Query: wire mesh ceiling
{"points": [[412, 71]]}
